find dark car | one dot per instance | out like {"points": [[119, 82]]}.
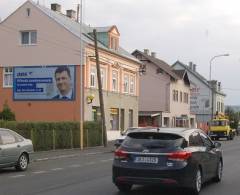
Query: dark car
{"points": [[178, 157], [15, 150]]}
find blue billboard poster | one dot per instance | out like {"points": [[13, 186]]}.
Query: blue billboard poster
{"points": [[44, 83]]}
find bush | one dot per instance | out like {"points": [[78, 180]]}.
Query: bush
{"points": [[57, 135], [7, 114]]}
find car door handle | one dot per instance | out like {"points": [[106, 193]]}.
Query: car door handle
{"points": [[18, 146]]}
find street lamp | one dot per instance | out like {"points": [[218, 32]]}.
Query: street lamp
{"points": [[210, 78]]}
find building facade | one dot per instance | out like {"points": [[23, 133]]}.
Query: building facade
{"points": [[36, 41], [163, 94], [202, 94]]}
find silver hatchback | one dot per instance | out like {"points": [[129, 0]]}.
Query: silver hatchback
{"points": [[15, 150]]}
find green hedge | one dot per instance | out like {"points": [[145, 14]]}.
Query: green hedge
{"points": [[57, 135]]}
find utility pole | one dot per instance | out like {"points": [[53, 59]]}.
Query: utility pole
{"points": [[100, 90], [81, 80]]}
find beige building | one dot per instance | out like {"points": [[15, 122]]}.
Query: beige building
{"points": [[35, 39], [179, 112], [164, 93]]}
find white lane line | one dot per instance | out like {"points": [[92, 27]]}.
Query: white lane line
{"points": [[91, 163], [93, 153], [75, 166], [41, 159], [106, 160], [16, 176], [39, 172], [57, 169]]}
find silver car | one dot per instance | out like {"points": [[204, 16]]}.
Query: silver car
{"points": [[15, 150]]}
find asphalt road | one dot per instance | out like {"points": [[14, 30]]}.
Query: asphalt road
{"points": [[89, 173]]}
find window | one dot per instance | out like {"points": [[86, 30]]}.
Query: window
{"points": [[114, 43], [7, 138], [175, 95], [195, 139], [93, 77], [96, 113], [114, 80], [207, 142], [132, 84], [126, 84], [103, 77], [181, 98], [8, 77], [29, 37], [185, 98]]}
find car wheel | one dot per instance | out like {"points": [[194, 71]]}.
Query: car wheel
{"points": [[22, 163], [124, 187], [197, 185], [219, 172]]}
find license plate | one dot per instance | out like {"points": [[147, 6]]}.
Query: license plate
{"points": [[144, 159]]}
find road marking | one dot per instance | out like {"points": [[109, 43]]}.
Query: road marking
{"points": [[57, 169], [39, 172], [41, 159], [93, 153], [91, 163], [75, 166], [16, 176], [107, 160]]}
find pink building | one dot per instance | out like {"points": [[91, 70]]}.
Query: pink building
{"points": [[35, 40]]}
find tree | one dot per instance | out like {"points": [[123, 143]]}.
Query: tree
{"points": [[233, 117], [7, 114]]}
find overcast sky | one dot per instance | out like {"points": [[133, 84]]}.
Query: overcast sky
{"points": [[185, 30]]}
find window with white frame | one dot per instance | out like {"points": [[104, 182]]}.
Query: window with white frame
{"points": [[103, 77], [126, 84], [132, 85], [114, 80], [7, 77], [28, 37], [93, 77]]}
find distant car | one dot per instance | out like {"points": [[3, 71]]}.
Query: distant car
{"points": [[167, 156], [15, 150], [119, 140], [238, 130]]}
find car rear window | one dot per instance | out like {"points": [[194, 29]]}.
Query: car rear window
{"points": [[151, 140]]}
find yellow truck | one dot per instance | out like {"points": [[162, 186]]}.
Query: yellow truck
{"points": [[220, 128]]}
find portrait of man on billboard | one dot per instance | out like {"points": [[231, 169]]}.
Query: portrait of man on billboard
{"points": [[63, 83]]}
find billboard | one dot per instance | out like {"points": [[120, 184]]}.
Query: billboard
{"points": [[55, 83]]}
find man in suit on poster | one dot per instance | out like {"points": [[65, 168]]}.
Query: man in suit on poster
{"points": [[63, 83]]}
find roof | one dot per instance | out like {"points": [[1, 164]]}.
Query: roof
{"points": [[173, 130], [196, 74], [160, 63], [103, 28], [180, 73], [74, 28]]}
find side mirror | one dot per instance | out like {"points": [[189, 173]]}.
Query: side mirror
{"points": [[217, 144]]}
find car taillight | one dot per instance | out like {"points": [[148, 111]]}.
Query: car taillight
{"points": [[179, 156], [120, 154]]}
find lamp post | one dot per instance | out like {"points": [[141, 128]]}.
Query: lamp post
{"points": [[210, 78]]}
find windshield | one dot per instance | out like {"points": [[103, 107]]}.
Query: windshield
{"points": [[153, 141], [219, 123]]}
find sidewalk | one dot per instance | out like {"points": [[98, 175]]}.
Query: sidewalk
{"points": [[68, 153]]}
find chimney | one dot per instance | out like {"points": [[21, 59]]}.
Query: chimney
{"points": [[190, 65], [146, 51], [71, 14], [194, 67], [56, 7], [219, 86], [153, 54]]}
